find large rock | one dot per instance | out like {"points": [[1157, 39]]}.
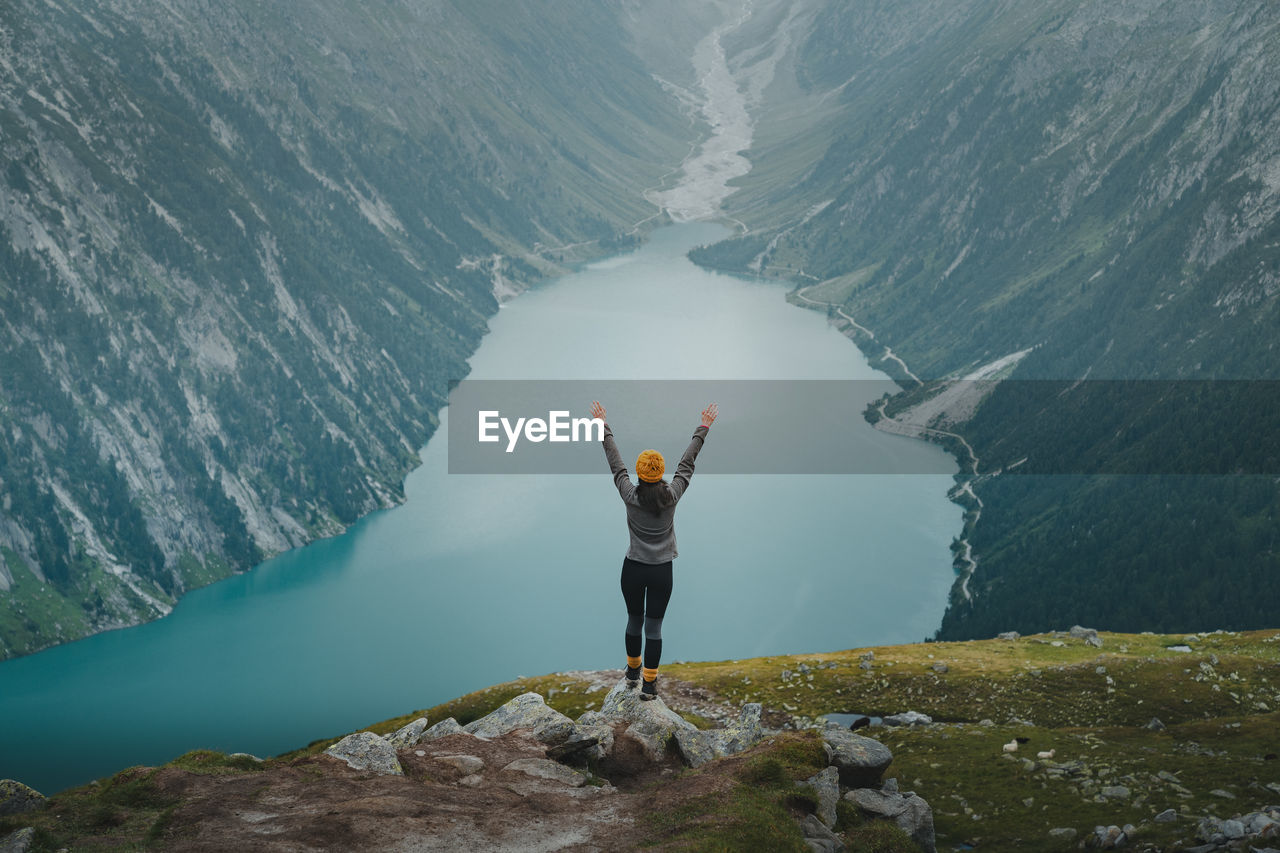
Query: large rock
{"points": [[819, 838], [526, 711], [408, 735], [827, 786], [18, 841], [911, 813], [367, 751], [652, 723], [908, 718], [861, 759], [442, 728], [16, 798], [698, 747], [1089, 635]]}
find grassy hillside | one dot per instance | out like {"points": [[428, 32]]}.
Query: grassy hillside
{"points": [[1217, 695]]}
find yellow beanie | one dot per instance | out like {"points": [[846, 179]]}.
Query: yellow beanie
{"points": [[649, 466]]}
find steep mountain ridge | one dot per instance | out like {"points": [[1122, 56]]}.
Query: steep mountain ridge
{"points": [[244, 247], [1093, 183]]}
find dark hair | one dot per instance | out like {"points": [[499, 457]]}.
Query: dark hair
{"points": [[654, 497]]}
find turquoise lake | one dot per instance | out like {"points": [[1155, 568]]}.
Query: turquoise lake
{"points": [[478, 579]]}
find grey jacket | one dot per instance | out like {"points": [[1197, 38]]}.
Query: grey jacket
{"points": [[653, 537]]}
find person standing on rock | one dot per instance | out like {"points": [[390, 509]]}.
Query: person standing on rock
{"points": [[646, 570]]}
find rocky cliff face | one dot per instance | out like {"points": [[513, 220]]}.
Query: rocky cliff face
{"points": [[244, 247]]}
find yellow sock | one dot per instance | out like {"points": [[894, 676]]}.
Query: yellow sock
{"points": [[650, 674], [633, 662]]}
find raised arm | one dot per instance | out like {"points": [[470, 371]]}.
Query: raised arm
{"points": [[684, 471], [621, 478]]}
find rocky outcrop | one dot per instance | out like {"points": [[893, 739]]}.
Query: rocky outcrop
{"points": [[16, 798], [367, 751], [651, 724]]}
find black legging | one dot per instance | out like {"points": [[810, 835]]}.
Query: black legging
{"points": [[646, 587]]}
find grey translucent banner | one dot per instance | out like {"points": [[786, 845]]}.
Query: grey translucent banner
{"points": [[820, 426], [765, 427]]}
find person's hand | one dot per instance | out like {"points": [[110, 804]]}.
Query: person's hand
{"points": [[709, 415], [597, 410]]}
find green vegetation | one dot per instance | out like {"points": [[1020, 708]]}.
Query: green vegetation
{"points": [[1089, 705]]}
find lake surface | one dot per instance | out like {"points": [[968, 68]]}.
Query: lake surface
{"points": [[479, 579]]}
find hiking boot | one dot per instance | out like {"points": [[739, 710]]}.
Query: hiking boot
{"points": [[649, 690], [633, 677]]}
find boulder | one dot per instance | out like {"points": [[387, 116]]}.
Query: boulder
{"points": [[18, 841], [16, 798], [542, 768], [911, 813], [861, 759], [1008, 635], [367, 751], [698, 747], [526, 711], [908, 718], [408, 735], [652, 723], [1089, 635], [818, 837], [827, 786], [442, 728]]}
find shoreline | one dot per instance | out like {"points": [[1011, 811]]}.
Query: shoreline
{"points": [[962, 493]]}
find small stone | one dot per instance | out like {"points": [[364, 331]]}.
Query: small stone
{"points": [[1063, 833], [1226, 795], [940, 667], [1008, 635], [473, 781], [1115, 792], [1233, 829], [1154, 725], [1166, 816], [908, 718]]}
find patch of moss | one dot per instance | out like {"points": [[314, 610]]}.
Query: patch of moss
{"points": [[209, 762]]}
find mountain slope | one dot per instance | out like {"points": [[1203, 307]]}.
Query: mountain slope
{"points": [[1096, 183], [244, 247]]}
